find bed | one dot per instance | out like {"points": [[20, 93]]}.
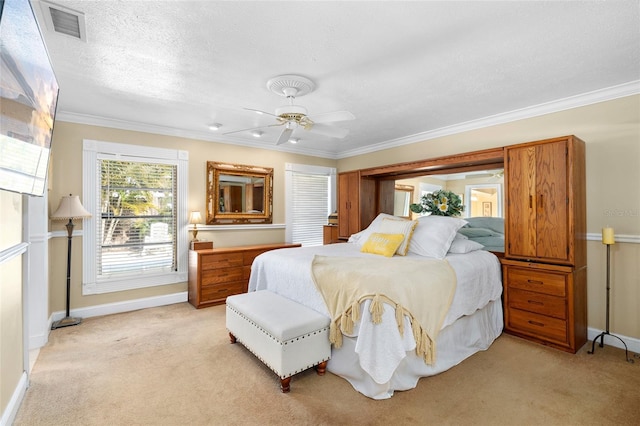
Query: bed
{"points": [[471, 324], [488, 231]]}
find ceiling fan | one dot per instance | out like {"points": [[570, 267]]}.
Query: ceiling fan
{"points": [[293, 116]]}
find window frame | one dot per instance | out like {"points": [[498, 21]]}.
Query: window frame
{"points": [[94, 150]]}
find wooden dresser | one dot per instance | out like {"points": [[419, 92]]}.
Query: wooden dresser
{"points": [[544, 268], [217, 273]]}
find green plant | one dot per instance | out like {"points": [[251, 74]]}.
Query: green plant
{"points": [[440, 203]]}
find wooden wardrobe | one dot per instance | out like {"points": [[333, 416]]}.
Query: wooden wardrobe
{"points": [[545, 262], [356, 203]]}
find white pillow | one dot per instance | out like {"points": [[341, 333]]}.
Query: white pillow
{"points": [[361, 237], [399, 226], [433, 235], [462, 246]]}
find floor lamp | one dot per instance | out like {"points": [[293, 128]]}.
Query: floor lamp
{"points": [[608, 239], [70, 208]]}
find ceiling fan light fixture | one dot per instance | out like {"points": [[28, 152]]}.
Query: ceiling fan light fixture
{"points": [[291, 110], [291, 125]]}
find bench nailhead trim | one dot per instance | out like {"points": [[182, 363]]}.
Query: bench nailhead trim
{"points": [[277, 340], [311, 333]]}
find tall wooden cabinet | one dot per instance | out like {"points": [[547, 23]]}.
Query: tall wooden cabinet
{"points": [[356, 203], [544, 267]]}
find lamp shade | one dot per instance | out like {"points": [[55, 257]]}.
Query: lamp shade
{"points": [[608, 236], [70, 208], [195, 218]]}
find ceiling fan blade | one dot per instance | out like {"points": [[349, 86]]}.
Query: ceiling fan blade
{"points": [[333, 132], [284, 136], [260, 112], [332, 116], [251, 128]]}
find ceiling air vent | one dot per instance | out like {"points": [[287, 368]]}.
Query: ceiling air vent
{"points": [[63, 20]]}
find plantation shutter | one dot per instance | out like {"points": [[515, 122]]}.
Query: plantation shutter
{"points": [[310, 206], [137, 228]]}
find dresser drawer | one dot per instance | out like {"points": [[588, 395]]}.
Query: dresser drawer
{"points": [[221, 291], [537, 281], [539, 303], [537, 325], [220, 260], [222, 275]]}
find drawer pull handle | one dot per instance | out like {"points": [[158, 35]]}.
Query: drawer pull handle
{"points": [[539, 324], [535, 282], [535, 302]]}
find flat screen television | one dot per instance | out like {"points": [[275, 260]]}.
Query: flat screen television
{"points": [[28, 98]]}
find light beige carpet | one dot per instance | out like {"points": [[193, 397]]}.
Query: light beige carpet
{"points": [[174, 365]]}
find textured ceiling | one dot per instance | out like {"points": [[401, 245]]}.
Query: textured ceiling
{"points": [[406, 70]]}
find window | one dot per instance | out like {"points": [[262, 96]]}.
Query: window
{"points": [[137, 234], [311, 197]]}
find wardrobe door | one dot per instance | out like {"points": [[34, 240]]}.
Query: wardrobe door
{"points": [[520, 173], [348, 204], [552, 202]]}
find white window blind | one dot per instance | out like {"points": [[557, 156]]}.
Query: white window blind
{"points": [[137, 225], [137, 233], [310, 200]]}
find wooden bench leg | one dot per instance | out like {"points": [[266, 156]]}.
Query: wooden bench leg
{"points": [[232, 337], [321, 368], [285, 384]]}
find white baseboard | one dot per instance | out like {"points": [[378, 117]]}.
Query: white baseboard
{"points": [[126, 306], [39, 340], [9, 414], [632, 344]]}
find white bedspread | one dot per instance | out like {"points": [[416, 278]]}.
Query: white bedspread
{"points": [[288, 272]]}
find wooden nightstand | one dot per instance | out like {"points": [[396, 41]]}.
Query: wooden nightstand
{"points": [[201, 245], [329, 234]]}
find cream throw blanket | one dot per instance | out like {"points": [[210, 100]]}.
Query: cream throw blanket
{"points": [[420, 289]]}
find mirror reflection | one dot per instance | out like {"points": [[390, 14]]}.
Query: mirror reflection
{"points": [[483, 199], [474, 188], [403, 197], [238, 193], [241, 194]]}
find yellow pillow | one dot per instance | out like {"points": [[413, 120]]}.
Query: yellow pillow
{"points": [[399, 226], [384, 244]]}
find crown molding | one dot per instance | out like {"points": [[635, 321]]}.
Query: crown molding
{"points": [[589, 98], [113, 123], [596, 96]]}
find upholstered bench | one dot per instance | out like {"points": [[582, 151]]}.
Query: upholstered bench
{"points": [[287, 336]]}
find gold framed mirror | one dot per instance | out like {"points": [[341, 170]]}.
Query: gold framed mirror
{"points": [[238, 194]]}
